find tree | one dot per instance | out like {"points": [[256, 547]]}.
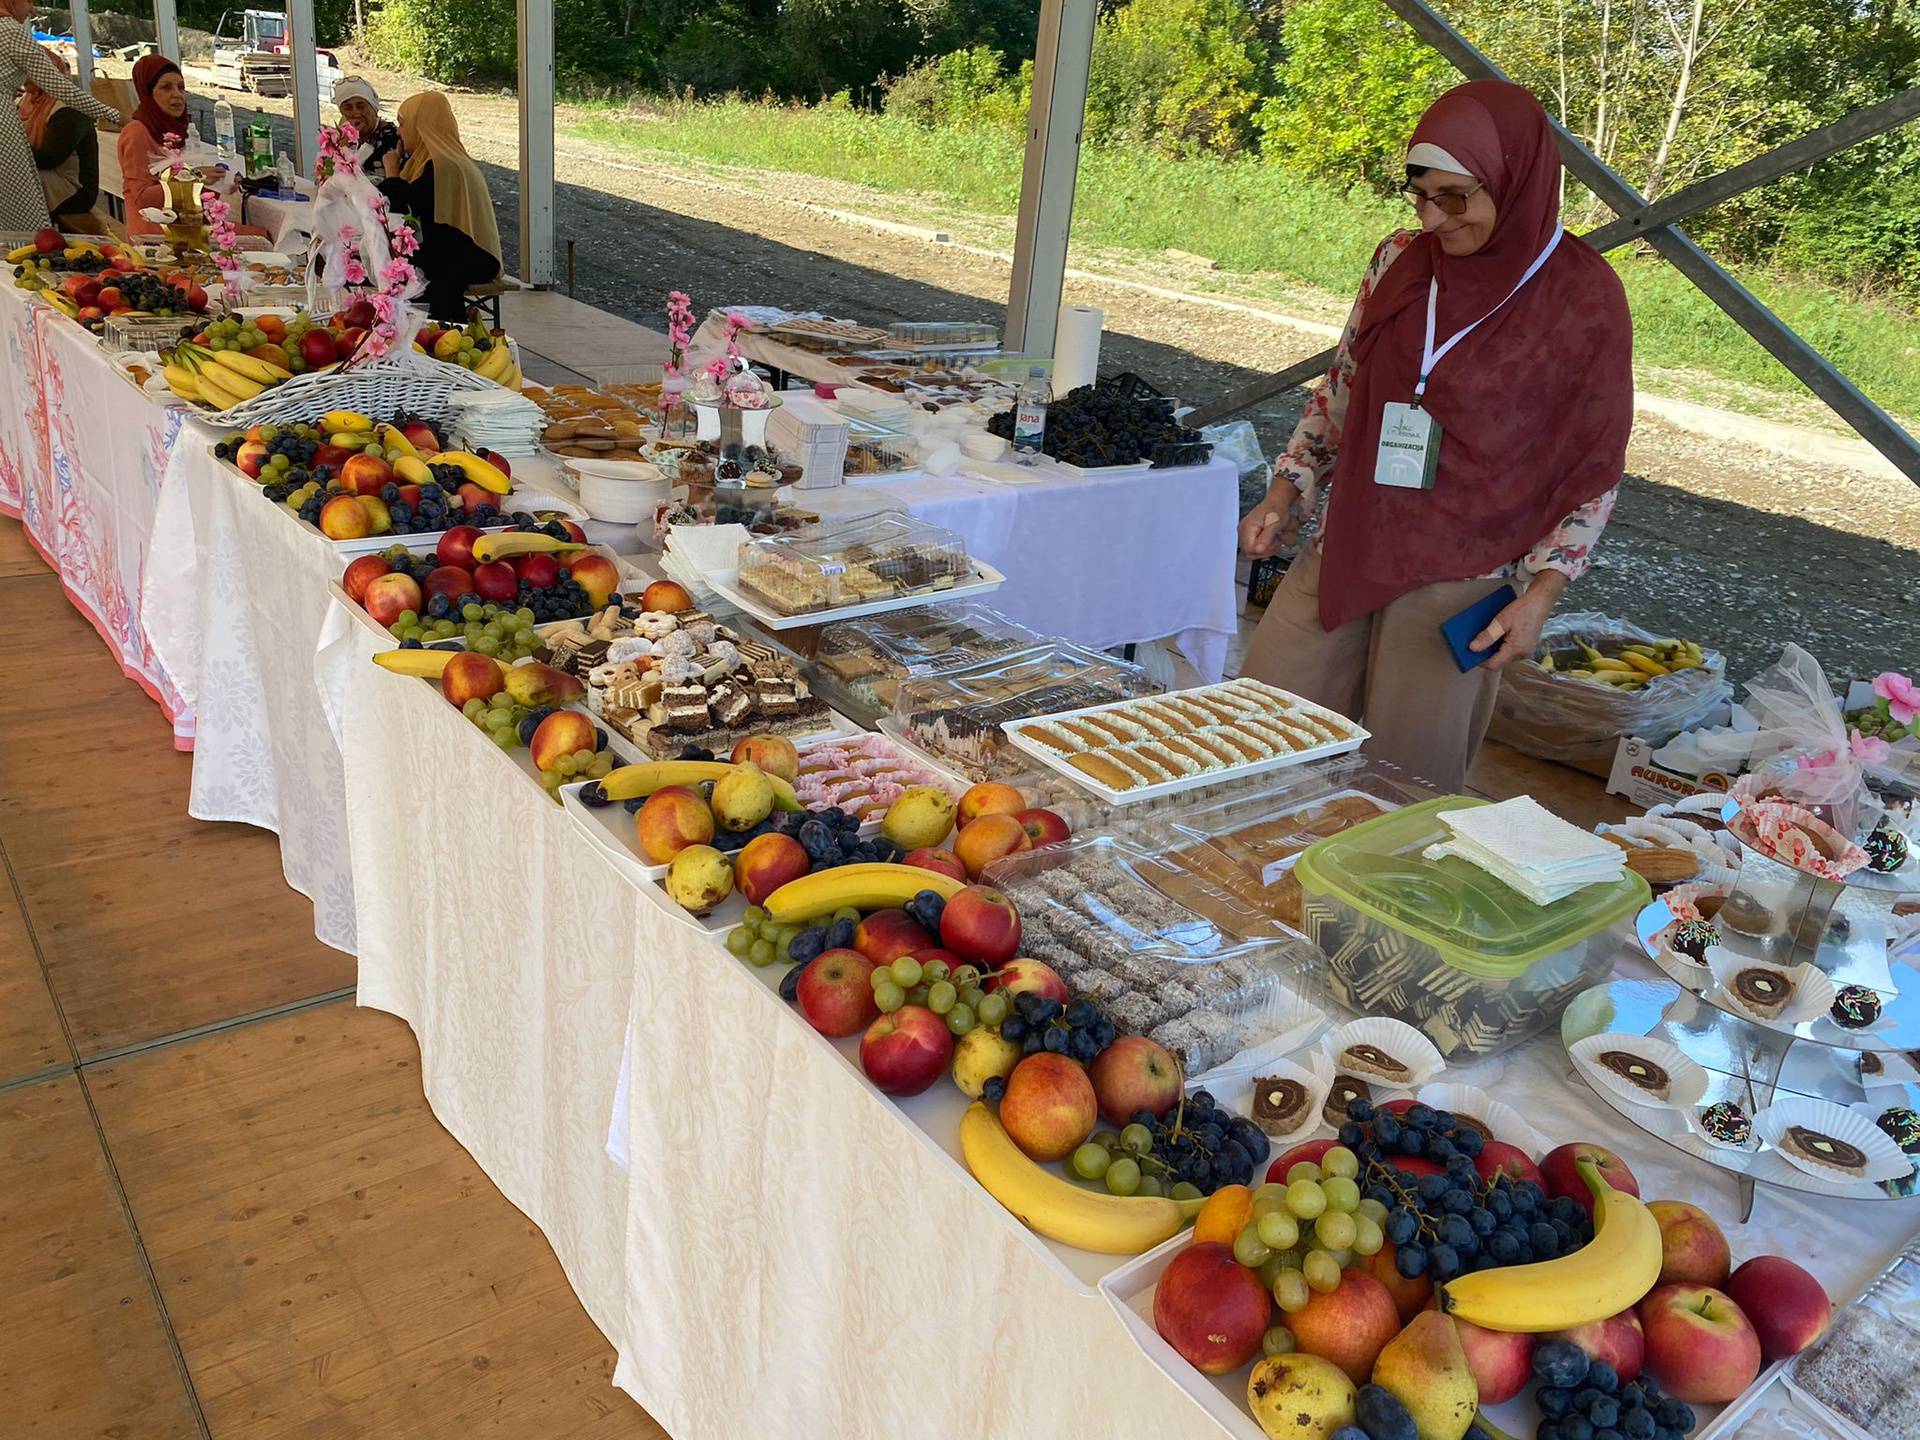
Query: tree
{"points": [[1185, 75]]}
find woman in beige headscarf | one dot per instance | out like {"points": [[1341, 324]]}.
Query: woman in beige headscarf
{"points": [[440, 186]]}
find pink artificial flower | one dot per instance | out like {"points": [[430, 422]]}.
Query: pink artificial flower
{"points": [[356, 273], [1900, 693], [718, 368], [1869, 749], [1820, 761]]}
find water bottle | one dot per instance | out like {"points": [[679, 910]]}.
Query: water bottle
{"points": [[1030, 411], [223, 130]]}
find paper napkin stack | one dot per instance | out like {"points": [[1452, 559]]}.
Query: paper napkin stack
{"points": [[1529, 849], [498, 419]]}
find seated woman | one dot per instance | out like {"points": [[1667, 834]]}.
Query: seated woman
{"points": [[159, 124], [440, 186], [66, 151], [360, 108]]}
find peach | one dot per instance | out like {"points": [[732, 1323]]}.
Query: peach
{"points": [[1049, 1109], [472, 496], [672, 818], [345, 518], [989, 797], [980, 924], [496, 581], [1211, 1309], [362, 573], [421, 436], [835, 990], [453, 581], [1043, 827], [941, 862], [1787, 1307], [388, 597], [365, 474], [251, 458], [764, 864], [470, 675], [1349, 1325], [1700, 1345], [1019, 976], [985, 840], [595, 574], [772, 753], [562, 733], [886, 935], [1134, 1074], [666, 595], [1693, 1251], [1409, 1296]]}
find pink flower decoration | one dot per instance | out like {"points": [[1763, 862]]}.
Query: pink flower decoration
{"points": [[1900, 693], [718, 368], [1821, 761], [1869, 749]]}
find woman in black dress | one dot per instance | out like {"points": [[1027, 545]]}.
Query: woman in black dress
{"points": [[439, 185]]}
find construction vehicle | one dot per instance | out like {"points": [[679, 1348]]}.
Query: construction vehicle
{"points": [[251, 51]]}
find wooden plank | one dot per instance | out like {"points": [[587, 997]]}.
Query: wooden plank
{"points": [[17, 555], [30, 1035], [1501, 772], [86, 1351], [333, 1262]]}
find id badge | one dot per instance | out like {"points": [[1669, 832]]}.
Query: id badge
{"points": [[1409, 452]]}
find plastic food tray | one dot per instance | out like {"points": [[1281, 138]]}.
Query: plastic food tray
{"points": [[1057, 762], [726, 584], [1873, 1339], [889, 648]]}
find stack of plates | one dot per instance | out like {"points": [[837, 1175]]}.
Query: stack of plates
{"points": [[499, 419]]}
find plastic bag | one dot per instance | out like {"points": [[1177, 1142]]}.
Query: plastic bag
{"points": [[1579, 723], [1236, 441]]}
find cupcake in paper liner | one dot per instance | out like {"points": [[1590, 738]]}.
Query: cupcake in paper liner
{"points": [[1769, 994], [1384, 1052], [1641, 1070], [1477, 1110], [1724, 1126], [1794, 835], [1830, 1142]]}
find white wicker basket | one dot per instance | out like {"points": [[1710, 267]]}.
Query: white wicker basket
{"points": [[408, 382]]}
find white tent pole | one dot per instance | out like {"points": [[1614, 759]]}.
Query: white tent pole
{"points": [[1062, 56], [166, 28], [82, 44], [536, 142], [306, 85]]}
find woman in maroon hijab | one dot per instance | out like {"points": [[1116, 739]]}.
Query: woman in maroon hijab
{"points": [[1470, 434]]}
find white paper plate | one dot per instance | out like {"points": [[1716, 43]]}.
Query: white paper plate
{"points": [[1686, 1081], [1393, 1037], [1884, 1160], [1473, 1102], [1812, 990]]}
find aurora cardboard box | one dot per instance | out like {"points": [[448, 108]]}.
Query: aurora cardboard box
{"points": [[1648, 774]]}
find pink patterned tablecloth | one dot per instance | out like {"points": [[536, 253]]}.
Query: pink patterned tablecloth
{"points": [[82, 457]]}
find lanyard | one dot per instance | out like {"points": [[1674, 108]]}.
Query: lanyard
{"points": [[1429, 357]]}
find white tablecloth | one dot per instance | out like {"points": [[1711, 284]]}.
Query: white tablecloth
{"points": [[287, 221], [82, 459], [1104, 562]]}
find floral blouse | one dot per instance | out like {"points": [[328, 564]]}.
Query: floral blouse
{"points": [[1309, 456]]}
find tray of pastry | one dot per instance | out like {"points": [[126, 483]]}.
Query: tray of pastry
{"points": [[1859, 1377], [861, 566], [1163, 745], [858, 665]]}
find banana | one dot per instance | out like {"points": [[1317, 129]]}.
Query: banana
{"points": [[212, 382], [350, 439], [181, 381], [633, 782], [22, 252], [426, 663], [1605, 1276], [395, 443], [1627, 676], [251, 367], [864, 887], [232, 381], [1607, 662], [508, 543], [483, 473], [1587, 650], [348, 420], [412, 470], [1057, 1208], [1643, 664], [1548, 663], [494, 366], [516, 379]]}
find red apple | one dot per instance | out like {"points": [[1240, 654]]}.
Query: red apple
{"points": [[251, 458], [365, 474], [1043, 827], [1309, 1150], [331, 456], [886, 935], [422, 437], [46, 241], [1700, 1345], [358, 316], [500, 463], [472, 496], [574, 532], [496, 581], [1049, 1108], [1417, 1165], [350, 342], [390, 596], [538, 570], [111, 298], [767, 862], [905, 1052], [1349, 1325], [1502, 1363], [362, 573], [318, 349], [1497, 1157], [1133, 1074], [448, 580], [1557, 1168], [1017, 977], [1211, 1309], [942, 862], [1618, 1340], [834, 991], [456, 546], [1692, 1249], [470, 675], [981, 924], [1786, 1306]]}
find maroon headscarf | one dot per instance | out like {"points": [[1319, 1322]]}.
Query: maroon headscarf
{"points": [[147, 71], [1534, 406]]}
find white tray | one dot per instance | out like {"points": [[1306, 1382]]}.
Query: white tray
{"points": [[1057, 762], [725, 583], [1103, 472]]}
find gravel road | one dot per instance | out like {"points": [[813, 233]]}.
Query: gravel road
{"points": [[1736, 546]]}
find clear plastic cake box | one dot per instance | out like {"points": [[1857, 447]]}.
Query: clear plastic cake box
{"points": [[1443, 945]]}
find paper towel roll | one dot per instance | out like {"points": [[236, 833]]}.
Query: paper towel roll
{"points": [[1076, 348]]}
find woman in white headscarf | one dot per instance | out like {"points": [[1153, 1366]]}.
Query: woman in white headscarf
{"points": [[360, 108]]}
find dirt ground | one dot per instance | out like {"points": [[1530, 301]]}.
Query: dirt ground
{"points": [[1740, 547]]}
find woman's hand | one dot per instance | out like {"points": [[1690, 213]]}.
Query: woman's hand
{"points": [[1274, 521], [1516, 629], [392, 162]]}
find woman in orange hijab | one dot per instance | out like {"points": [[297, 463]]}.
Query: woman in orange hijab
{"points": [[439, 185], [66, 149]]}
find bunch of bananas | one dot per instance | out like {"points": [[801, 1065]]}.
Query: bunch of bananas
{"points": [[221, 379], [1633, 668]]}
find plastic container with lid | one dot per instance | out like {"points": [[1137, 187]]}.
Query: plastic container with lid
{"points": [[858, 664], [1443, 945], [1150, 964], [869, 557]]}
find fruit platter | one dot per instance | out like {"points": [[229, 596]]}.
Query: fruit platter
{"points": [[499, 591]]}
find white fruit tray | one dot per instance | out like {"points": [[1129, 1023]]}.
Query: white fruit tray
{"points": [[726, 584], [1057, 762]]}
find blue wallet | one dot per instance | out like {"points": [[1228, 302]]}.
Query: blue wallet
{"points": [[1460, 630]]}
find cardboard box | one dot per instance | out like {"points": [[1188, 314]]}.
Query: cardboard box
{"points": [[1644, 783]]}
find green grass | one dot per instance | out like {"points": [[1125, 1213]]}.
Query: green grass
{"points": [[1250, 217]]}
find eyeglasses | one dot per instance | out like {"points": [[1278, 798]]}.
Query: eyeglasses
{"points": [[1451, 202]]}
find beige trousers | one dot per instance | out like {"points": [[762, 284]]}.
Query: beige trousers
{"points": [[1390, 670]]}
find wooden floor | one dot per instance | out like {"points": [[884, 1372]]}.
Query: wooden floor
{"points": [[225, 1208]]}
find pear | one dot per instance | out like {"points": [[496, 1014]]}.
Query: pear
{"points": [[535, 684], [1426, 1370], [742, 798], [1299, 1397]]}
